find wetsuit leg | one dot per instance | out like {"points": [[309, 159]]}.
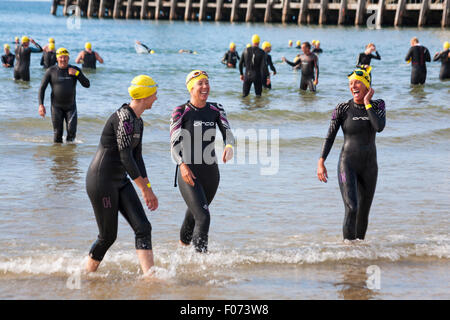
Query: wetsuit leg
{"points": [[303, 83], [366, 185], [131, 208], [196, 223], [58, 116], [105, 201], [246, 86], [418, 75], [348, 186], [257, 83], [71, 119], [311, 85]]}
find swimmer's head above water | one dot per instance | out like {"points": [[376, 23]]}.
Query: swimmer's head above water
{"points": [[359, 83], [62, 57], [197, 83]]}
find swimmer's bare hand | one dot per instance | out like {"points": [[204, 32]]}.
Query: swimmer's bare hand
{"points": [[283, 59], [150, 199], [242, 77], [368, 96], [42, 111], [187, 175], [322, 171], [227, 154], [72, 71], [268, 81], [316, 82]]}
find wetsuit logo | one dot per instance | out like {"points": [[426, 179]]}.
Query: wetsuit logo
{"points": [[107, 202], [128, 127], [199, 123], [360, 118]]}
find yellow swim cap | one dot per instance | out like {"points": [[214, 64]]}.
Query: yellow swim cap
{"points": [[142, 87], [232, 45], [193, 77], [25, 39], [266, 44], [248, 45], [362, 75], [6, 46], [446, 45], [255, 39], [62, 52], [314, 41], [290, 42], [152, 51], [51, 40], [317, 42], [298, 43], [51, 46], [87, 46], [16, 39]]}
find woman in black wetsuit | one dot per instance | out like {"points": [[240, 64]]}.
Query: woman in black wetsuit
{"points": [[192, 136], [366, 57], [120, 154], [360, 118], [444, 56]]}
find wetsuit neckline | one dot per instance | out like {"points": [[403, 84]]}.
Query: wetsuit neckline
{"points": [[357, 105], [196, 108], [127, 105]]}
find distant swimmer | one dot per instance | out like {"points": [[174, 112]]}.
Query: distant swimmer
{"points": [[290, 43], [192, 138], [231, 57], [418, 55], [187, 51], [49, 56], [267, 83], [119, 156], [360, 118], [444, 56], [142, 48], [298, 44], [63, 79], [309, 63], [23, 52], [253, 59], [50, 41], [8, 57], [316, 45], [88, 58], [365, 57]]}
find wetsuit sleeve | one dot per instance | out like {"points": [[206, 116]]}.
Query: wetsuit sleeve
{"points": [[294, 64], [237, 55], [409, 54], [427, 55], [146, 47], [316, 63], [124, 130], [358, 61], [224, 126], [175, 134], [377, 56], [138, 156], [4, 59], [42, 60], [335, 124], [224, 59], [437, 56], [82, 78], [377, 115], [242, 62], [44, 83], [37, 49], [270, 62]]}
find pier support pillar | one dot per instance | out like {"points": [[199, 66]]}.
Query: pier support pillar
{"points": [[188, 10], [445, 14], [101, 9], [342, 12], [144, 9], [158, 9], [129, 7], [116, 11], [250, 7], [173, 7], [234, 11], [423, 13], [268, 12], [323, 12], [303, 12], [284, 13], [219, 6], [399, 13], [90, 8], [66, 6], [361, 9], [380, 13], [202, 11], [54, 7]]}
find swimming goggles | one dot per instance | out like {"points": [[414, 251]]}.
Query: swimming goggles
{"points": [[196, 74]]}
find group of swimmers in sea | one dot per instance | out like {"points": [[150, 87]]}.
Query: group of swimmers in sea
{"points": [[119, 154]]}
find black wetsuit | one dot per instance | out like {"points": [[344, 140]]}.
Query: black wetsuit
{"points": [[253, 58], [419, 55], [89, 60], [317, 50], [189, 127], [445, 66], [8, 59], [308, 64], [109, 189], [365, 59], [230, 57], [63, 99], [266, 74], [22, 67], [48, 59], [357, 168]]}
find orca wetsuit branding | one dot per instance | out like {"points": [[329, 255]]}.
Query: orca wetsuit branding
{"points": [[192, 137], [119, 154], [357, 168]]}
